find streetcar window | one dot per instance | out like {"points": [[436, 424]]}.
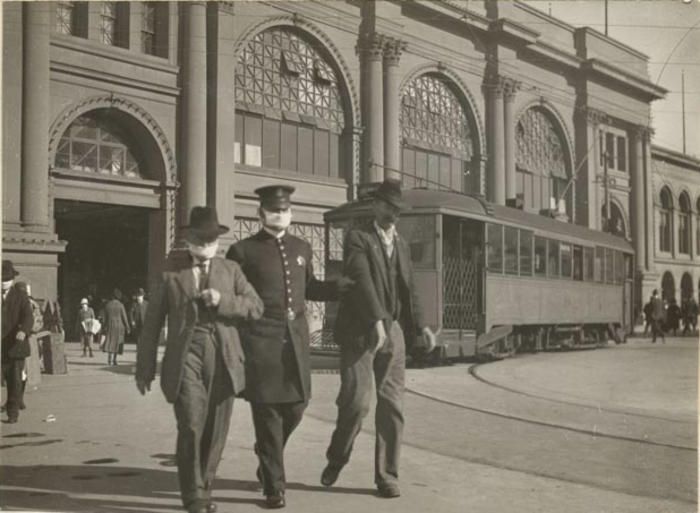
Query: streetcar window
{"points": [[599, 264], [540, 256], [629, 268], [511, 250], [578, 263], [619, 267], [609, 266], [525, 253], [553, 258], [419, 232], [495, 248], [588, 266], [565, 250]]}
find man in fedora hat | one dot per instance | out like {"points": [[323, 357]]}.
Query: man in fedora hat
{"points": [[17, 321], [376, 320], [278, 376], [204, 297]]}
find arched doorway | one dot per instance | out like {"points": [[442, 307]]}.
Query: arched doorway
{"points": [[615, 220], [108, 178], [668, 287], [686, 287]]}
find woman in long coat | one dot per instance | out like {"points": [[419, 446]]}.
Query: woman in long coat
{"points": [[116, 326]]}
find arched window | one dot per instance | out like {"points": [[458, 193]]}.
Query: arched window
{"points": [[686, 287], [684, 224], [541, 162], [665, 221], [437, 136], [615, 220], [290, 113], [97, 144], [668, 287]]}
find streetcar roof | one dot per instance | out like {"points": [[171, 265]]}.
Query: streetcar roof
{"points": [[426, 201]]}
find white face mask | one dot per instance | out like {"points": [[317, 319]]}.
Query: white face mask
{"points": [[84, 306], [277, 220], [206, 252], [7, 284], [139, 299]]}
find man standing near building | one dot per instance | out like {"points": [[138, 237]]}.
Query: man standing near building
{"points": [[203, 297], [658, 315], [137, 314], [278, 376], [17, 321], [376, 320]]}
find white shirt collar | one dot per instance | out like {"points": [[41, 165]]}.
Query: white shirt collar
{"points": [[388, 233], [276, 235]]}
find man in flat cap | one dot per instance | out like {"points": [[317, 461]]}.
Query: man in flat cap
{"points": [[204, 298], [376, 322], [278, 377]]}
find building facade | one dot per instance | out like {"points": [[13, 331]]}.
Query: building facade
{"points": [[121, 116]]}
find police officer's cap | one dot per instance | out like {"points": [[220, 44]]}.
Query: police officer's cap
{"points": [[275, 196]]}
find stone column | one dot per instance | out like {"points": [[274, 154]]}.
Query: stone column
{"points": [[497, 173], [371, 48], [34, 210], [650, 209], [637, 214], [194, 108], [510, 88], [392, 100]]}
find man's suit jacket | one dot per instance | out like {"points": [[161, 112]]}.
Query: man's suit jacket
{"points": [[272, 376], [137, 314], [176, 298], [16, 316], [368, 301], [658, 309]]}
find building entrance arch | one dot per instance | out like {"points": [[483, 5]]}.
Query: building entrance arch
{"points": [[668, 287]]}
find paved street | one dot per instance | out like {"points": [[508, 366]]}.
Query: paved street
{"points": [[610, 430]]}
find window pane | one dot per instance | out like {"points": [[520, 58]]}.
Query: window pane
{"points": [[609, 265], [599, 264], [252, 152], [619, 267], [540, 256], [433, 171], [622, 153], [333, 156], [419, 232], [63, 153], [610, 149], [511, 250], [553, 258], [578, 263], [271, 144], [525, 253], [238, 137], [565, 260], [408, 166], [306, 150], [446, 172], [289, 147], [421, 168], [457, 170], [84, 156], [495, 248], [320, 152], [588, 265]]}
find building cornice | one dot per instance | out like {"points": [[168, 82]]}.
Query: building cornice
{"points": [[614, 42], [601, 69], [675, 157]]}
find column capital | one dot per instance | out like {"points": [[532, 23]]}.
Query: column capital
{"points": [[643, 132], [495, 84], [371, 45], [510, 88], [226, 7], [393, 48], [596, 117]]}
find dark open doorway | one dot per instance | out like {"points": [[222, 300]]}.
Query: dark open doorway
{"points": [[107, 249]]}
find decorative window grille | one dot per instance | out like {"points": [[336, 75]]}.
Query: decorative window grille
{"points": [[96, 146], [108, 23], [148, 28], [65, 18], [684, 224], [665, 221], [280, 70], [540, 148], [437, 137]]}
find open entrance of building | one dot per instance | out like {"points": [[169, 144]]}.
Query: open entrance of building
{"points": [[108, 248]]}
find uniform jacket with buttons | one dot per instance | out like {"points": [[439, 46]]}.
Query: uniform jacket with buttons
{"points": [[282, 274], [176, 298], [368, 301]]}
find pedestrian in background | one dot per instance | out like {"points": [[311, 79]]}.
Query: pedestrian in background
{"points": [[673, 316], [278, 370], [658, 314], [204, 298], [648, 311], [83, 326], [376, 322], [116, 326], [693, 313], [17, 321], [137, 314]]}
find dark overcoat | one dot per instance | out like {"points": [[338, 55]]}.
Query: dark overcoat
{"points": [[16, 316], [275, 372], [116, 325], [176, 297], [368, 300]]}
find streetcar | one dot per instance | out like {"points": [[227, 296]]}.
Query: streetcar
{"points": [[493, 280]]}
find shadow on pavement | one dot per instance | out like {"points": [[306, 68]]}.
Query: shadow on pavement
{"points": [[76, 488]]}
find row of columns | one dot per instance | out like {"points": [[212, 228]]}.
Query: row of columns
{"points": [[380, 55], [500, 94]]}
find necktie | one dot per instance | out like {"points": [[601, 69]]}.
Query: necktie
{"points": [[203, 276]]}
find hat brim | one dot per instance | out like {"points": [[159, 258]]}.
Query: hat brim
{"points": [[6, 277], [400, 204], [207, 233]]}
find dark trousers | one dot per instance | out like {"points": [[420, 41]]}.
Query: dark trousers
{"points": [[388, 366], [656, 329], [274, 423], [12, 372], [87, 342], [203, 412]]}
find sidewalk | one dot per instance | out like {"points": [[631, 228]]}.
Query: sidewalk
{"points": [[112, 450]]}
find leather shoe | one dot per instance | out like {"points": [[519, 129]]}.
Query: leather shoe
{"points": [[389, 491], [276, 500], [329, 475], [259, 475]]}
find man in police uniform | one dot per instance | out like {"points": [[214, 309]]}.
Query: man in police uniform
{"points": [[278, 377]]}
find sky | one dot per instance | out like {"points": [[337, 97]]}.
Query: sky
{"points": [[668, 31]]}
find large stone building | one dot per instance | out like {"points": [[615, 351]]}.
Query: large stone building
{"points": [[120, 116]]}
